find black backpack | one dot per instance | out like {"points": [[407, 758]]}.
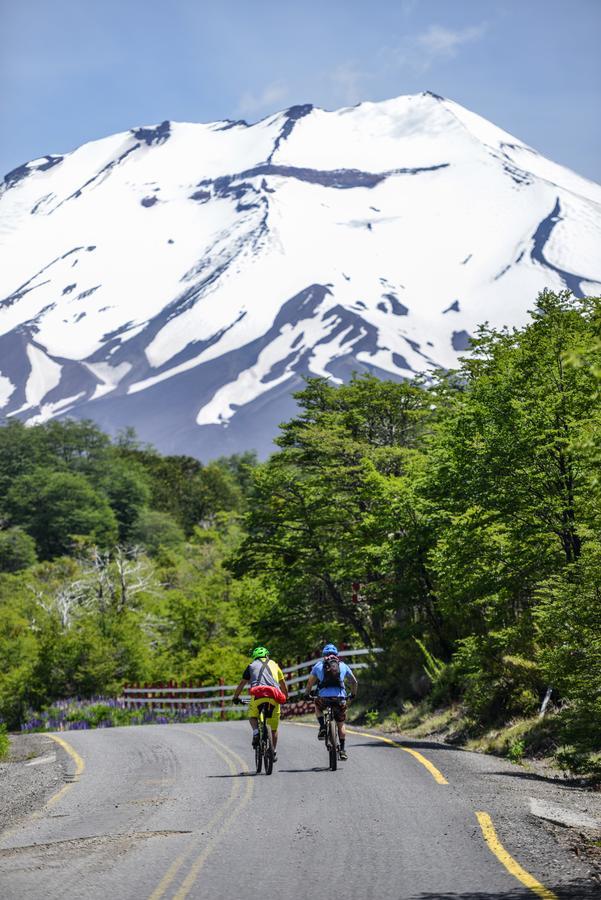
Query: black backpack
{"points": [[331, 672]]}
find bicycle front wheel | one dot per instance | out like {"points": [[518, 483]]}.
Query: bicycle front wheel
{"points": [[333, 748], [268, 757], [259, 757]]}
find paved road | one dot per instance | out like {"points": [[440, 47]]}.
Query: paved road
{"points": [[172, 812]]}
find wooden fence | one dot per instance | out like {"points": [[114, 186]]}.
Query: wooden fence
{"points": [[216, 699]]}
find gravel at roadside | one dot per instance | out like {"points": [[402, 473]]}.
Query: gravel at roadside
{"points": [[28, 777]]}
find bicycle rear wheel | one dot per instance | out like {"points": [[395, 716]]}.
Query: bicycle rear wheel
{"points": [[332, 745], [268, 755]]}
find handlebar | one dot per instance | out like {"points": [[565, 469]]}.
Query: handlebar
{"points": [[350, 698]]}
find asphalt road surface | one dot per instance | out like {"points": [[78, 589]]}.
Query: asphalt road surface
{"points": [[173, 812]]}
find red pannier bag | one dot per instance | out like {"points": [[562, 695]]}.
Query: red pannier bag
{"points": [[267, 692]]}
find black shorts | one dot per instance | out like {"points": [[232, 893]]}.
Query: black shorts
{"points": [[338, 707]]}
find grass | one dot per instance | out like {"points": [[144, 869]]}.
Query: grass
{"points": [[524, 737], [421, 721], [519, 740], [4, 745], [516, 740]]}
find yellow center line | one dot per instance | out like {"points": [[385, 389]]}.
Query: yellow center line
{"points": [[514, 868], [222, 813], [179, 861], [434, 772], [200, 860]]}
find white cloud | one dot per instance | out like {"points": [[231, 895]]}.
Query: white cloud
{"points": [[419, 52], [264, 101], [438, 41]]}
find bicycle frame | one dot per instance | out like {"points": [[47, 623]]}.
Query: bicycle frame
{"points": [[264, 750], [332, 740]]}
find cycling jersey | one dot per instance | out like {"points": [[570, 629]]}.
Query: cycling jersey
{"points": [[263, 672], [345, 672]]}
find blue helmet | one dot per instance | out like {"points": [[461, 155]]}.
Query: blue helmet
{"points": [[330, 650]]}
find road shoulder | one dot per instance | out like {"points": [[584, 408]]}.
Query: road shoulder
{"points": [[525, 803], [30, 775]]}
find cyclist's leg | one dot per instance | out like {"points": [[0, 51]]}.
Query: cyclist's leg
{"points": [[340, 716], [319, 707], [273, 722], [253, 718]]}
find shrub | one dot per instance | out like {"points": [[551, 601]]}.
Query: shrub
{"points": [[516, 751], [3, 742], [372, 717], [498, 685]]}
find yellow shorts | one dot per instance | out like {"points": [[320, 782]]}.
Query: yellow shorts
{"points": [[253, 711]]}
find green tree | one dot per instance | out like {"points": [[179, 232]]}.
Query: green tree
{"points": [[17, 550], [154, 530], [316, 520], [56, 507], [568, 616], [126, 486], [509, 486]]}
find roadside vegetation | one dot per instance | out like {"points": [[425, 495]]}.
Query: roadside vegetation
{"points": [[467, 508], [4, 746], [107, 712]]}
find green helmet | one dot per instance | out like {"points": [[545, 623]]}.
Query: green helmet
{"points": [[259, 652]]}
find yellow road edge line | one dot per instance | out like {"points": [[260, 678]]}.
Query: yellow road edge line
{"points": [[513, 867], [79, 767], [200, 860], [79, 763], [301, 724], [434, 772], [179, 861]]}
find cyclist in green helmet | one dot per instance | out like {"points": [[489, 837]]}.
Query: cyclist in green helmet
{"points": [[267, 684]]}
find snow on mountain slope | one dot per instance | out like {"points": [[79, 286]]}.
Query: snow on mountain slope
{"points": [[182, 278]]}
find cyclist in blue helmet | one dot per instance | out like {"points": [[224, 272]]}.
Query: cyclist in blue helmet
{"points": [[330, 674]]}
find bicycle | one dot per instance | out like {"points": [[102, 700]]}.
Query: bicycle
{"points": [[264, 751], [332, 739]]}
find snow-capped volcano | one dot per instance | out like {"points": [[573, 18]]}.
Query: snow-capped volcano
{"points": [[182, 278]]}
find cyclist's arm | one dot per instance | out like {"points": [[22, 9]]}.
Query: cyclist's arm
{"points": [[311, 681], [354, 683], [239, 689], [283, 686]]}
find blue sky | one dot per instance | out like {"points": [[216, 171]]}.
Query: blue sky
{"points": [[75, 70]]}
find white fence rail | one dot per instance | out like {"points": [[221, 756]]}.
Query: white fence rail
{"points": [[211, 699]]}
